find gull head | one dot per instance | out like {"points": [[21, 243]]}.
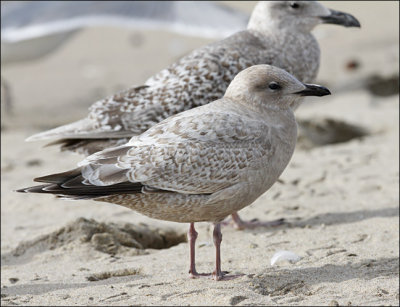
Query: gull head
{"points": [[266, 86], [299, 16]]}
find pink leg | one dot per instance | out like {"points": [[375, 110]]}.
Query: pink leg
{"points": [[217, 235], [240, 224], [217, 274], [192, 236]]}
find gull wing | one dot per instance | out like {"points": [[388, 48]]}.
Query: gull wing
{"points": [[200, 151]]}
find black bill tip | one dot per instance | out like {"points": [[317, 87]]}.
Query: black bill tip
{"points": [[340, 18], [314, 90]]}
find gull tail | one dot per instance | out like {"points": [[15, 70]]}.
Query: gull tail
{"points": [[74, 130], [96, 127], [81, 129], [72, 185]]}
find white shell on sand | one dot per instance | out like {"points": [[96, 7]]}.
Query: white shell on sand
{"points": [[285, 255]]}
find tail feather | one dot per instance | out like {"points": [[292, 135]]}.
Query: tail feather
{"points": [[93, 127], [82, 129], [72, 185], [88, 147], [34, 189], [59, 178], [71, 130]]}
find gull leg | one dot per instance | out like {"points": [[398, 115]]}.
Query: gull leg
{"points": [[192, 236], [217, 235], [240, 224]]}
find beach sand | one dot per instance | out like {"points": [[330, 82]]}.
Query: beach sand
{"points": [[339, 194]]}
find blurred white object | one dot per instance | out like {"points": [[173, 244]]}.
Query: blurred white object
{"points": [[285, 255], [31, 29]]}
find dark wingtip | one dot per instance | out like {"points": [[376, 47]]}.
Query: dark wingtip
{"points": [[59, 177], [35, 189]]}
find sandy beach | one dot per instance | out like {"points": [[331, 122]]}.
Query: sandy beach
{"points": [[339, 195]]}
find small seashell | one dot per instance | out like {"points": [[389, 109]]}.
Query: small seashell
{"points": [[284, 255]]}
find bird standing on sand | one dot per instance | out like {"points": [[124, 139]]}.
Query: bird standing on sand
{"points": [[202, 164], [278, 33]]}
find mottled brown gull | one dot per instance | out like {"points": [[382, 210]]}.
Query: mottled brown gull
{"points": [[278, 33], [202, 164]]}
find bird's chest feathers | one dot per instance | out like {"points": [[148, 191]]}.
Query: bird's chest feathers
{"points": [[280, 150]]}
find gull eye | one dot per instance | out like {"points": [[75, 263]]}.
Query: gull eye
{"points": [[274, 86], [294, 5]]}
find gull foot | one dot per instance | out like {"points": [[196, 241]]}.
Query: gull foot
{"points": [[223, 276], [194, 275]]}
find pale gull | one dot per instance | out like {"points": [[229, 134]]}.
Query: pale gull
{"points": [[278, 33], [202, 164]]}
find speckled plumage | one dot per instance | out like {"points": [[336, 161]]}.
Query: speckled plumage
{"points": [[276, 35], [202, 164], [198, 155]]}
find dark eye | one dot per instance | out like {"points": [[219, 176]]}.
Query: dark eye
{"points": [[294, 5], [274, 86]]}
